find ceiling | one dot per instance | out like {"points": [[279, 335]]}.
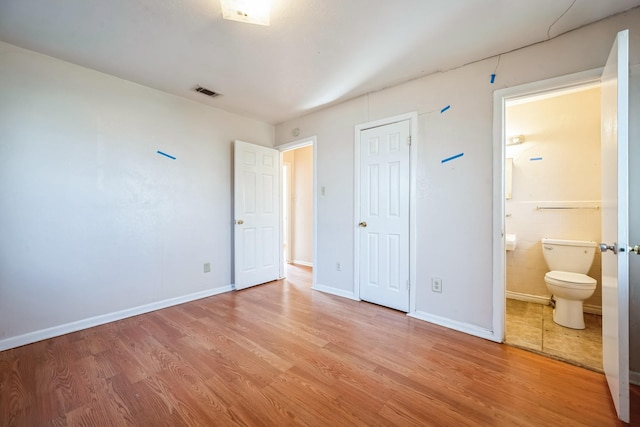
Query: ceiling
{"points": [[315, 52]]}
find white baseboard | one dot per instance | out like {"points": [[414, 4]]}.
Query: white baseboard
{"points": [[536, 299], [458, 326], [592, 309], [334, 291], [304, 263], [634, 378], [67, 328]]}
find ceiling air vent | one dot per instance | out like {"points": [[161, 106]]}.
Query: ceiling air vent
{"points": [[206, 91]]}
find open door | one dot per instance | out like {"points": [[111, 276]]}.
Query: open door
{"points": [[256, 211], [615, 223]]}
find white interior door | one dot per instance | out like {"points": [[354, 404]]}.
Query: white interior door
{"points": [[384, 212], [256, 212], [615, 224]]}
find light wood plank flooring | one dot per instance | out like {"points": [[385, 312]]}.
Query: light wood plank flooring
{"points": [[282, 354]]}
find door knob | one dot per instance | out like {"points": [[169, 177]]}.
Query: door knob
{"points": [[239, 222], [604, 248], [363, 224], [635, 249]]}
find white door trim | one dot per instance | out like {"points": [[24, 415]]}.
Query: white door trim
{"points": [[413, 150], [313, 141], [500, 97]]}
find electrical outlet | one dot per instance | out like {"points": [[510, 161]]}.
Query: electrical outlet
{"points": [[436, 284], [207, 267], [338, 266]]}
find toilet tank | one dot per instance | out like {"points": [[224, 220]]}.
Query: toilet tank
{"points": [[575, 256]]}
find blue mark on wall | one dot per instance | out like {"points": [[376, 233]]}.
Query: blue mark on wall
{"points": [[448, 159], [166, 155]]}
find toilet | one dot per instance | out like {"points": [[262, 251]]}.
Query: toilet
{"points": [[569, 261]]}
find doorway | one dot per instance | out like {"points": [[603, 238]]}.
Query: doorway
{"points": [[298, 218], [552, 190], [501, 98]]}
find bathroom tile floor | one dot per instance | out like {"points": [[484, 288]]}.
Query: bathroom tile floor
{"points": [[531, 326]]}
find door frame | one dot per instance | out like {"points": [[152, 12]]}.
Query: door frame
{"points": [[500, 98], [413, 161], [300, 143]]}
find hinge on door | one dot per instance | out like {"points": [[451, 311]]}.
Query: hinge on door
{"points": [[409, 139]]}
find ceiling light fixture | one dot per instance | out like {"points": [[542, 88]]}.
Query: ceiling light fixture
{"points": [[248, 11]]}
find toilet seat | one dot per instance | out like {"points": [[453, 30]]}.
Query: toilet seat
{"points": [[570, 280]]}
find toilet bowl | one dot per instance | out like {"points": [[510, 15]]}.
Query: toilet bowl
{"points": [[569, 261], [569, 290]]}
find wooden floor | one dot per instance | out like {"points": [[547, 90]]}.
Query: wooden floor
{"points": [[282, 354]]}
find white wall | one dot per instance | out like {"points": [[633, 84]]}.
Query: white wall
{"points": [[454, 199], [564, 131], [92, 220]]}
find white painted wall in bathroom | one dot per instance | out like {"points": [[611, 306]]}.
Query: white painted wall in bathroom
{"points": [[564, 131]]}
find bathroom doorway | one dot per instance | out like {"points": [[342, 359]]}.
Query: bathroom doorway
{"points": [[552, 189]]}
